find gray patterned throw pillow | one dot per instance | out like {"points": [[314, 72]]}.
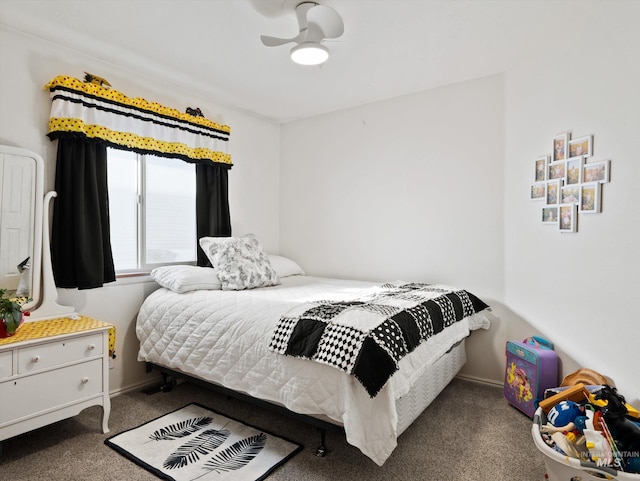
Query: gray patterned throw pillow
{"points": [[239, 262]]}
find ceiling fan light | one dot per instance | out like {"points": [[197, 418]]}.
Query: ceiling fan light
{"points": [[309, 54]]}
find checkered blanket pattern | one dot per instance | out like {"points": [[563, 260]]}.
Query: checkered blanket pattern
{"points": [[368, 335]]}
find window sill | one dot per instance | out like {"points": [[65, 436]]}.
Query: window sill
{"points": [[132, 278]]}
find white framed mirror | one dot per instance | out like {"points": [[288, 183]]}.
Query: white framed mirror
{"points": [[25, 255], [21, 204]]}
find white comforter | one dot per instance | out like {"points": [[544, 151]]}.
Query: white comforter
{"points": [[223, 336]]}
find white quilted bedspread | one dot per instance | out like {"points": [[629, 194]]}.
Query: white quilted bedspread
{"points": [[223, 337]]}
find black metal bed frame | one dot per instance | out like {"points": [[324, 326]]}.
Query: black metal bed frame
{"points": [[322, 426]]}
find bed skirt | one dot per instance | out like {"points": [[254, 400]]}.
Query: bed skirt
{"points": [[429, 385]]}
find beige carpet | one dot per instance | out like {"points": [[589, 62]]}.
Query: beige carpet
{"points": [[468, 433]]}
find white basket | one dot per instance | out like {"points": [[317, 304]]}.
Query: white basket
{"points": [[564, 468]]}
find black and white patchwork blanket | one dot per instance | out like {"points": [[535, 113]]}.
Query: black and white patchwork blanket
{"points": [[367, 336]]}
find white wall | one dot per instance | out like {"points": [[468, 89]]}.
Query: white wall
{"points": [[410, 188], [28, 64], [580, 289], [400, 187]]}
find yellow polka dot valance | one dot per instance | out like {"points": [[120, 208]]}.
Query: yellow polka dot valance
{"points": [[90, 110]]}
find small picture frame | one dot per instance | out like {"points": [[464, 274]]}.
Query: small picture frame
{"points": [[557, 170], [590, 196], [581, 146], [574, 170], [541, 168], [570, 194], [596, 172], [567, 217], [538, 191], [560, 147], [550, 215], [553, 192]]}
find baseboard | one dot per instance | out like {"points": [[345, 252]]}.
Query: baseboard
{"points": [[134, 387], [490, 382]]}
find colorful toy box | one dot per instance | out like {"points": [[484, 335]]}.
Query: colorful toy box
{"points": [[532, 367]]}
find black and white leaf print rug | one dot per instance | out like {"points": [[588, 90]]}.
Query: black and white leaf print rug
{"points": [[198, 443]]}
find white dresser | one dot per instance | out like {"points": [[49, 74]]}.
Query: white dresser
{"points": [[51, 370]]}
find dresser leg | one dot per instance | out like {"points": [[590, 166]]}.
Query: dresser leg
{"points": [[106, 411]]}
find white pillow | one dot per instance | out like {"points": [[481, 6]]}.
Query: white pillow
{"points": [[239, 262], [182, 279], [285, 267]]}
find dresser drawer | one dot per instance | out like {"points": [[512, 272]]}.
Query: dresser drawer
{"points": [[57, 353], [6, 364], [36, 393]]}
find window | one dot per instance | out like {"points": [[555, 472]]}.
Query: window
{"points": [[152, 209]]}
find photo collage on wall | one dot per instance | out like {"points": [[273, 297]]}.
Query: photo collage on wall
{"points": [[569, 182]]}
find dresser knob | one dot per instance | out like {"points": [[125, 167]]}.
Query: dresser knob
{"points": [[84, 380], [35, 358], [91, 347]]}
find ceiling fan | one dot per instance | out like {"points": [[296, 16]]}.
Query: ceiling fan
{"points": [[316, 22]]}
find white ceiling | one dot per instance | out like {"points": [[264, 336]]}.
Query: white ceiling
{"points": [[213, 47]]}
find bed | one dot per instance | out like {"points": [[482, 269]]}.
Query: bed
{"points": [[225, 337]]}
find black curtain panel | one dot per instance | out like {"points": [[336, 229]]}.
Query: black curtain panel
{"points": [[80, 241], [212, 204]]}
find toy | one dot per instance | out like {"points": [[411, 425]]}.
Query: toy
{"points": [[599, 449], [615, 414], [623, 430], [602, 400], [570, 444], [195, 112], [580, 423], [577, 393], [94, 79], [585, 376], [562, 429], [564, 412]]}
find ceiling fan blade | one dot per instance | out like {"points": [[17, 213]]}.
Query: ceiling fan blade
{"points": [[276, 42], [327, 19], [313, 34], [302, 12]]}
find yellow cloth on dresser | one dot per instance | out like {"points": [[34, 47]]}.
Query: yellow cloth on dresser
{"points": [[56, 327]]}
